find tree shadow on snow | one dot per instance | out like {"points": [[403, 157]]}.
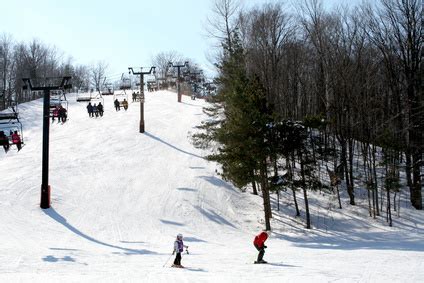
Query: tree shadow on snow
{"points": [[195, 269], [63, 249], [171, 222], [367, 241], [187, 189], [193, 239], [60, 219], [170, 145], [215, 217], [217, 182], [51, 258]]}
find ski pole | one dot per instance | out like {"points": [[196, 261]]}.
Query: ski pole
{"points": [[168, 260]]}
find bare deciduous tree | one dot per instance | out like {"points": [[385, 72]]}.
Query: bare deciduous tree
{"points": [[98, 72]]}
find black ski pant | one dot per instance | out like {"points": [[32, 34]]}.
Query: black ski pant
{"points": [[177, 260], [261, 252], [19, 145], [6, 147]]}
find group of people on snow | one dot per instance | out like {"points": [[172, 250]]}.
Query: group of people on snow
{"points": [[95, 110], [258, 242], [15, 138], [60, 113]]}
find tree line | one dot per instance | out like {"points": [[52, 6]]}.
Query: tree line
{"points": [[311, 99], [35, 59]]}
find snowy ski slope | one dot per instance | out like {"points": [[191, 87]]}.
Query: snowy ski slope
{"points": [[119, 198]]}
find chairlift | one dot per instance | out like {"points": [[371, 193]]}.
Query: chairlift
{"points": [[98, 98], [125, 83], [152, 85], [120, 96], [83, 97], [57, 99], [136, 95], [90, 97], [108, 90], [9, 123]]}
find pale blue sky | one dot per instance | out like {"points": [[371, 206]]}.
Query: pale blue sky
{"points": [[123, 33]]}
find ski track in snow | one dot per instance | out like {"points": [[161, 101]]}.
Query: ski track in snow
{"points": [[119, 198]]}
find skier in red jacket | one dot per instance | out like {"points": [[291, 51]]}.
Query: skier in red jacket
{"points": [[259, 244]]}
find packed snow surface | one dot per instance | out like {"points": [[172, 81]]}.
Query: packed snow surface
{"points": [[119, 198]]}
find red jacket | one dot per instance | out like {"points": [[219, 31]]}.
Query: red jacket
{"points": [[16, 138], [260, 239]]}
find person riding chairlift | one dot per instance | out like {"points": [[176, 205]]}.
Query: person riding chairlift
{"points": [[55, 113], [116, 103], [62, 114], [16, 139], [100, 109], [4, 141], [125, 104]]}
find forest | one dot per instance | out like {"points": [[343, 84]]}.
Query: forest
{"points": [[315, 99]]}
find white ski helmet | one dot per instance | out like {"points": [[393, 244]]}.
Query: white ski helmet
{"points": [[180, 236]]}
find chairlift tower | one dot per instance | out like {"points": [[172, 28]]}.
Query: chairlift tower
{"points": [[178, 66], [196, 79], [141, 73], [46, 85]]}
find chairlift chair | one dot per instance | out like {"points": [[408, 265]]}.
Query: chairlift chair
{"points": [[9, 122], [107, 91], [8, 116], [83, 97], [98, 98], [136, 96], [125, 84], [58, 98], [152, 85], [120, 95]]}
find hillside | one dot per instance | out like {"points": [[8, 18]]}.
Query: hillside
{"points": [[119, 198]]}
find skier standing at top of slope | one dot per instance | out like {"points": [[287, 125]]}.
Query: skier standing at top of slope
{"points": [[259, 244], [178, 249]]}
